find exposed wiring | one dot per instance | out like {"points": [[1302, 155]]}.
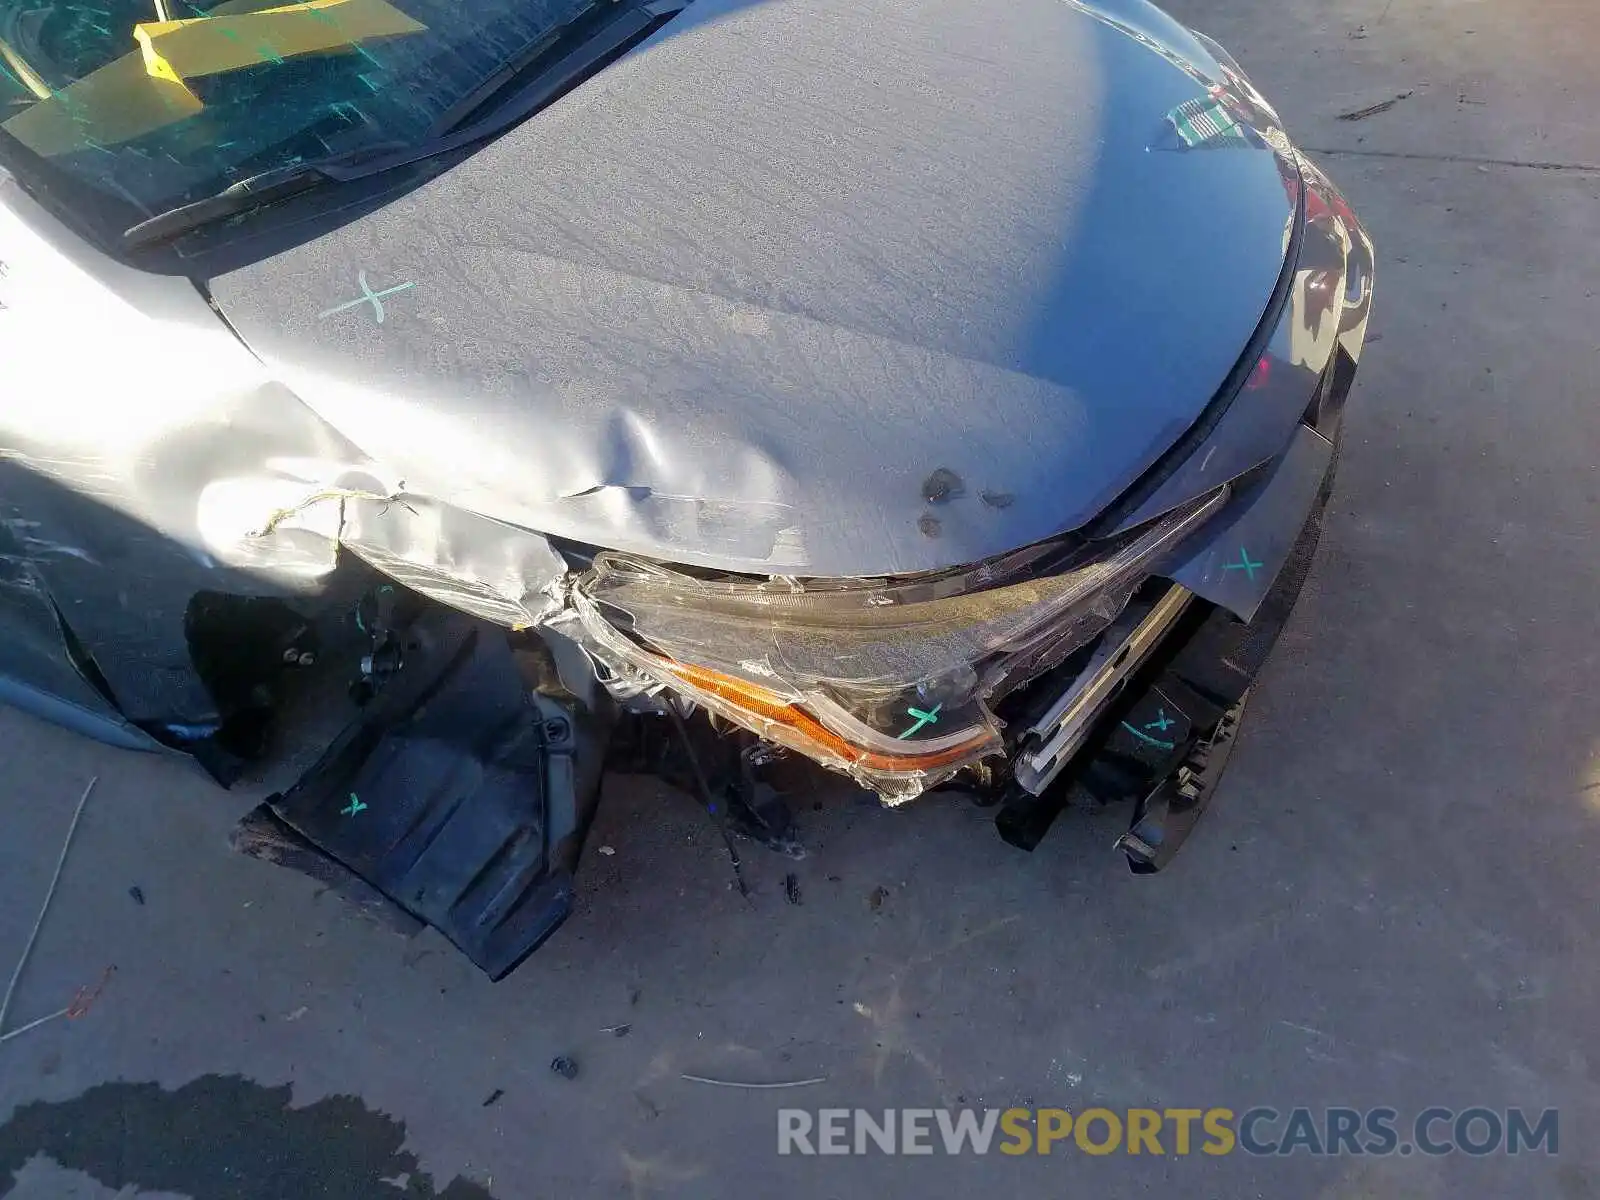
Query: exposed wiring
{"points": [[718, 817]]}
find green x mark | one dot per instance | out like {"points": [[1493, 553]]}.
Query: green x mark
{"points": [[1244, 564], [923, 718], [1158, 743], [353, 807], [368, 296]]}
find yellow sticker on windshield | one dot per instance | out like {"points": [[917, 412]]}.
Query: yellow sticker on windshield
{"points": [[145, 90], [115, 104], [190, 49]]}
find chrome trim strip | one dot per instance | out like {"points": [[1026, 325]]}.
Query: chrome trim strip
{"points": [[1063, 728]]}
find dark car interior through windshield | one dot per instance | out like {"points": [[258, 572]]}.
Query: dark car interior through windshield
{"points": [[158, 102]]}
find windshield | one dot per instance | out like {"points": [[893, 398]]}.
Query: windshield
{"points": [[160, 102]]}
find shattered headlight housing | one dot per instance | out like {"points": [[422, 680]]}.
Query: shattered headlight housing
{"points": [[889, 681]]}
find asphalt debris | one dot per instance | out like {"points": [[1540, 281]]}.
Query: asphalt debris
{"points": [[876, 897], [494, 1097], [622, 1030], [997, 499], [137, 893], [1372, 110], [565, 1067], [791, 888]]}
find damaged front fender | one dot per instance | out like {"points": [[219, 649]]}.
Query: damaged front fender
{"points": [[166, 466]]}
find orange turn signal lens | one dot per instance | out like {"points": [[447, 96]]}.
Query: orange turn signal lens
{"points": [[740, 696]]}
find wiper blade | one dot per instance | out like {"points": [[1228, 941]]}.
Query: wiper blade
{"points": [[461, 112], [596, 40], [266, 187], [453, 132]]}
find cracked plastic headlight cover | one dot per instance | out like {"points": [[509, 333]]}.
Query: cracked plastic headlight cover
{"points": [[891, 681]]}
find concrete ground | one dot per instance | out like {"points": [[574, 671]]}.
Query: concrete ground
{"points": [[1393, 902]]}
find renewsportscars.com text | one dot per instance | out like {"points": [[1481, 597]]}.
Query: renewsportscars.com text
{"points": [[1180, 1131]]}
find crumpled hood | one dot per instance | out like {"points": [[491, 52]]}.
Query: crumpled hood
{"points": [[801, 286]]}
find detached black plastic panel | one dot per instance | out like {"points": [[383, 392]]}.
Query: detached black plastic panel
{"points": [[454, 795]]}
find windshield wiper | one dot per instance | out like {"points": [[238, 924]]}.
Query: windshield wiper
{"points": [[467, 106], [450, 133], [596, 43], [256, 191]]}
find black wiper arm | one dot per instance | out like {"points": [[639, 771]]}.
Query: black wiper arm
{"points": [[267, 187], [461, 112], [612, 37], [593, 37]]}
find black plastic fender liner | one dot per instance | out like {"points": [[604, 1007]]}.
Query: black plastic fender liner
{"points": [[456, 794]]}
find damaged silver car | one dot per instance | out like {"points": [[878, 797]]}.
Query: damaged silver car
{"points": [[942, 393]]}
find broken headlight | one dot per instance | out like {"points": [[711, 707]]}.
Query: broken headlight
{"points": [[889, 681]]}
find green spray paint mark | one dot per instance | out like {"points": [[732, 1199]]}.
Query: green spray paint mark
{"points": [[1244, 564], [368, 296], [1145, 737], [923, 718]]}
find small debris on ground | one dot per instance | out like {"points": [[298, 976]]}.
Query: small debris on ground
{"points": [[564, 1066], [1372, 110], [734, 1083], [494, 1097], [297, 1013], [876, 898], [49, 895], [622, 1030], [83, 999], [138, 895], [608, 851], [791, 888]]}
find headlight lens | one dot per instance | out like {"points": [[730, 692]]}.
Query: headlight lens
{"points": [[890, 682]]}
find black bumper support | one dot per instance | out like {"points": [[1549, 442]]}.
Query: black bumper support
{"points": [[1165, 744]]}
